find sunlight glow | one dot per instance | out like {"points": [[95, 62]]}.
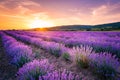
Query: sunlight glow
{"points": [[37, 23]]}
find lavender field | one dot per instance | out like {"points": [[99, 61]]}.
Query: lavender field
{"points": [[59, 55]]}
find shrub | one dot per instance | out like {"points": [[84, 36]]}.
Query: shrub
{"points": [[56, 49], [34, 69], [18, 48], [82, 61], [21, 54], [105, 65], [80, 55], [21, 59]]}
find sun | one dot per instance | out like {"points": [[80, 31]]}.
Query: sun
{"points": [[37, 23]]}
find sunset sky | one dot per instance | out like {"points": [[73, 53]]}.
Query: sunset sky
{"points": [[23, 14]]}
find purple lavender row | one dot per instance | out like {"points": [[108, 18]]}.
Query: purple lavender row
{"points": [[90, 35], [43, 70], [34, 69], [99, 44], [52, 47], [89, 38], [107, 66], [19, 53]]}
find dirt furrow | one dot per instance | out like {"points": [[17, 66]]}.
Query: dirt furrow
{"points": [[7, 71]]}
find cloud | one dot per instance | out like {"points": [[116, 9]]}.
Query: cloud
{"points": [[106, 13], [20, 7], [11, 4], [106, 9]]}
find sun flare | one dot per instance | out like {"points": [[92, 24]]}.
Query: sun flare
{"points": [[37, 23]]}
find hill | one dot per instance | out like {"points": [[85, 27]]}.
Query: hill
{"points": [[101, 27]]}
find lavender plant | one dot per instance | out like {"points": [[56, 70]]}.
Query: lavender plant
{"points": [[55, 48], [19, 52], [22, 54], [106, 65], [80, 55], [34, 69]]}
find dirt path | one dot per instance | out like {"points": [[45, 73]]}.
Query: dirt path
{"points": [[7, 71]]}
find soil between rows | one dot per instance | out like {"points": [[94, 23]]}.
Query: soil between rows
{"points": [[7, 71]]}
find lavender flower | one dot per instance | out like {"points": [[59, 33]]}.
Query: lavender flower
{"points": [[34, 69], [19, 52], [80, 55], [105, 65], [56, 49], [22, 54]]}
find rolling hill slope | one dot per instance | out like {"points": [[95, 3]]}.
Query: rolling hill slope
{"points": [[102, 27]]}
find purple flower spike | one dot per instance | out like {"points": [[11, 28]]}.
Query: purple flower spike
{"points": [[60, 75], [34, 69]]}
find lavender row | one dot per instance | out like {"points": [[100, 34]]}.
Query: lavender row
{"points": [[99, 44], [52, 47], [80, 36], [75, 34], [43, 70], [19, 53], [104, 36]]}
